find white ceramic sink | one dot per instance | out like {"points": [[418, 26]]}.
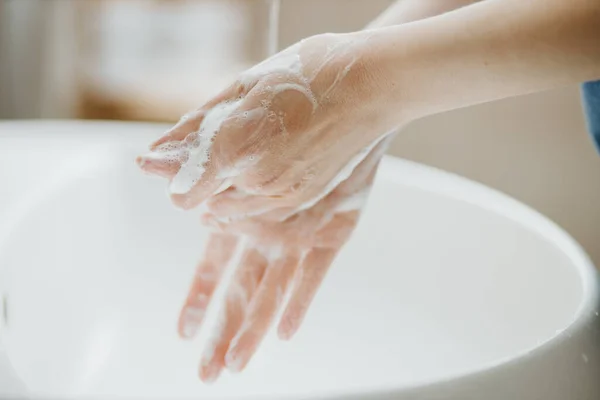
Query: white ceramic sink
{"points": [[447, 290]]}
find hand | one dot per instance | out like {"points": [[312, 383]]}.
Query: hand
{"points": [[279, 258], [282, 158], [284, 134]]}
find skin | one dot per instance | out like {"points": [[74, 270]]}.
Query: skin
{"points": [[413, 10], [518, 48], [375, 81]]}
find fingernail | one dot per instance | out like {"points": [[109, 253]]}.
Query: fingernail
{"points": [[210, 373], [140, 161], [191, 320], [234, 360], [285, 330], [287, 326], [188, 331]]}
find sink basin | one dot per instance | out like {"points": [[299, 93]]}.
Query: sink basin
{"points": [[447, 290]]}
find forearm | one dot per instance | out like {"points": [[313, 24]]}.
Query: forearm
{"points": [[404, 11], [491, 50]]}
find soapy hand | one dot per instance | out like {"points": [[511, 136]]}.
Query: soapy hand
{"points": [[279, 259], [284, 134], [283, 159]]}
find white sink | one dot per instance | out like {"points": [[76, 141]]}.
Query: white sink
{"points": [[447, 290]]}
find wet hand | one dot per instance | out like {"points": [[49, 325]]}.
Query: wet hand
{"points": [[283, 159], [283, 135], [279, 260]]}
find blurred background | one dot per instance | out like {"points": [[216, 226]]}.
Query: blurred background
{"points": [[153, 60]]}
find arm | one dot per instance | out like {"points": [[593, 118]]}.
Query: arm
{"points": [[339, 93], [488, 51], [413, 10]]}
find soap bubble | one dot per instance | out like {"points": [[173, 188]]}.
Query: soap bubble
{"points": [[191, 138]]}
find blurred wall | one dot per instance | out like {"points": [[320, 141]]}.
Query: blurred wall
{"points": [[534, 148], [124, 59], [37, 59], [16, 44]]}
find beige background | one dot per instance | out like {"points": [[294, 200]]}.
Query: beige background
{"points": [[534, 148]]}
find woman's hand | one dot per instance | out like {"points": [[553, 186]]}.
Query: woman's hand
{"points": [[279, 259], [283, 135], [284, 160]]}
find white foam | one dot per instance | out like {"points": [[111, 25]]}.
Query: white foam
{"points": [[272, 252], [192, 170], [286, 68]]}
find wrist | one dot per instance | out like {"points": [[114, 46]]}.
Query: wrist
{"points": [[432, 66], [392, 61]]}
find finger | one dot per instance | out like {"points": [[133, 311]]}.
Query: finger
{"points": [[337, 231], [213, 159], [310, 276], [238, 296], [191, 121], [162, 163], [188, 123], [219, 250], [202, 189], [263, 308]]}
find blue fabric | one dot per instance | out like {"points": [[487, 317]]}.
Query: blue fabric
{"points": [[591, 105]]}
